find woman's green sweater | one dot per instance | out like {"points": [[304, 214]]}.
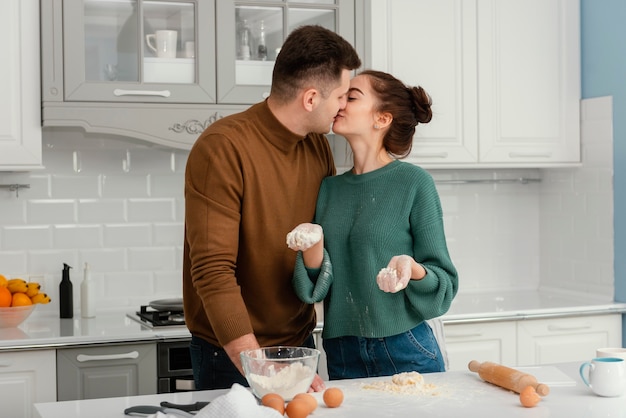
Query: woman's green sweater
{"points": [[367, 219]]}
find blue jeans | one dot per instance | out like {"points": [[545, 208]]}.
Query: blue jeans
{"points": [[356, 357], [212, 368]]}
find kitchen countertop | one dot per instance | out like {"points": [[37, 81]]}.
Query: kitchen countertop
{"points": [[44, 330], [460, 393], [499, 305]]}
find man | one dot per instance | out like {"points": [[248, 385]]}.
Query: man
{"points": [[251, 178]]}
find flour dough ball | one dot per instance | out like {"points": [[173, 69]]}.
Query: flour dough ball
{"points": [[408, 379]]}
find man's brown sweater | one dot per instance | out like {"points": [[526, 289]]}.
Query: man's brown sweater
{"points": [[249, 181]]}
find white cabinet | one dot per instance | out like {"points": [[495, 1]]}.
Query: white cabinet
{"points": [[20, 101], [26, 377], [567, 339], [504, 76], [527, 342], [494, 341]]}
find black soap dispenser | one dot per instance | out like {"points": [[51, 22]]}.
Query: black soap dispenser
{"points": [[66, 297]]}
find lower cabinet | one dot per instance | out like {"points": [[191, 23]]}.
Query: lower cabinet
{"points": [[493, 341], [527, 342], [106, 371], [568, 339], [26, 377]]}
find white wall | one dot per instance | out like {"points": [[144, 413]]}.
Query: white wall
{"points": [[118, 204]]}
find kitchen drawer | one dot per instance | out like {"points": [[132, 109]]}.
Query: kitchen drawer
{"points": [[106, 371], [493, 341], [557, 340]]}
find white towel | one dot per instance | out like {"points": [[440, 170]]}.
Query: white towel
{"points": [[239, 402]]}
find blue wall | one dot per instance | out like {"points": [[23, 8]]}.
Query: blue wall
{"points": [[603, 49]]}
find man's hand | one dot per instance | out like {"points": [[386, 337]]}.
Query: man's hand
{"points": [[236, 346], [317, 385]]}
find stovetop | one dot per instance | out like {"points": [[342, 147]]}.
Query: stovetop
{"points": [[153, 318]]}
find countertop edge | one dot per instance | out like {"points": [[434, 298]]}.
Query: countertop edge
{"points": [[534, 314]]}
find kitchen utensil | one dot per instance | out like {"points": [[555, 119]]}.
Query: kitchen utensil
{"points": [[506, 377], [604, 376], [191, 407], [286, 371], [163, 42], [144, 410], [174, 304]]}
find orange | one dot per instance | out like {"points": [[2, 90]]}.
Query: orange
{"points": [[5, 297], [21, 299], [3, 281]]}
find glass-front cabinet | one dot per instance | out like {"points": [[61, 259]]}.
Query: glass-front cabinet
{"points": [[134, 50], [250, 35], [163, 70], [178, 51]]}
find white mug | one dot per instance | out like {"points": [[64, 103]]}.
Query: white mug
{"points": [[165, 45], [611, 352], [606, 376], [190, 49]]}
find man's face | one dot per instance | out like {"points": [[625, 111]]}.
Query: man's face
{"points": [[325, 113]]}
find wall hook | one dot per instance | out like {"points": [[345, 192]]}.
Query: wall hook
{"points": [[15, 188]]}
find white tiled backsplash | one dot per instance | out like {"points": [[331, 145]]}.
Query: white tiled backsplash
{"points": [[118, 204]]}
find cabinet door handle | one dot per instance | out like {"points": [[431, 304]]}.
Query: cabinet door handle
{"points": [[442, 154], [568, 328], [122, 92], [530, 154], [84, 357]]}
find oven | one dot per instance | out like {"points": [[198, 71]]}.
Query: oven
{"points": [[174, 371]]}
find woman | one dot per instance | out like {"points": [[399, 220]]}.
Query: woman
{"points": [[376, 252]]}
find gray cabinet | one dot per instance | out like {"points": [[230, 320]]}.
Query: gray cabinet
{"points": [[245, 28], [99, 51], [106, 371], [100, 71]]}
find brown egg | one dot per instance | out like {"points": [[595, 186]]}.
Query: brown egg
{"points": [[310, 400], [333, 397], [298, 408], [274, 400]]}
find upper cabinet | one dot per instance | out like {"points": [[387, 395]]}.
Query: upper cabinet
{"points": [[163, 71], [20, 116], [504, 76]]}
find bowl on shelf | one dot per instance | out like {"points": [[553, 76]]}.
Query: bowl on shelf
{"points": [[284, 370], [13, 316]]}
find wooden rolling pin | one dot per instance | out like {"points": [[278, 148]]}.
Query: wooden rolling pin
{"points": [[506, 377]]}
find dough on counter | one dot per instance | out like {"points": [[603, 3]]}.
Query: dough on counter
{"points": [[411, 383]]}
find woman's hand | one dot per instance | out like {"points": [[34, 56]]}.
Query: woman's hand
{"points": [[304, 236], [396, 275]]}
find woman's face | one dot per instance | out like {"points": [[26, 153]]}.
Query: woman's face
{"points": [[358, 118]]}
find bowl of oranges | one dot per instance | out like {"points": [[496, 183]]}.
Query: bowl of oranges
{"points": [[18, 299]]}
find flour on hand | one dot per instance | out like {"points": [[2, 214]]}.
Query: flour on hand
{"points": [[304, 236], [388, 273]]}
